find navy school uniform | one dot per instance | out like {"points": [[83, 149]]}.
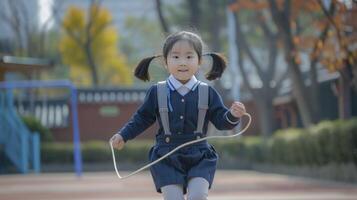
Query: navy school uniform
{"points": [[196, 160]]}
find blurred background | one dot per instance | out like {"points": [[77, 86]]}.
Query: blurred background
{"points": [[67, 84]]}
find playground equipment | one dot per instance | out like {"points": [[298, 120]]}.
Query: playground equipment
{"points": [[21, 146]]}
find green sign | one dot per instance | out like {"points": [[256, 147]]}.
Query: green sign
{"points": [[109, 111]]}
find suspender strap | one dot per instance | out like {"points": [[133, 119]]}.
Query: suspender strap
{"points": [[163, 108], [202, 106], [164, 111]]}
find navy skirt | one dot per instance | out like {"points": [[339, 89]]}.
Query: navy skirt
{"points": [[196, 160]]}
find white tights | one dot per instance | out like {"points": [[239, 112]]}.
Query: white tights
{"points": [[197, 190]]}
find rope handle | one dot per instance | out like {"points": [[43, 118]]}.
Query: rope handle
{"points": [[177, 148]]}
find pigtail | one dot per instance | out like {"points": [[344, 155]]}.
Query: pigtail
{"points": [[219, 64], [142, 70]]}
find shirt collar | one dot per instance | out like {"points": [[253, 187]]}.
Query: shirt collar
{"points": [[175, 84]]}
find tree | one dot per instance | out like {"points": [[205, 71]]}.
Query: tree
{"points": [[162, 20], [302, 29], [259, 35], [89, 46], [207, 18], [144, 38], [333, 54], [29, 37], [341, 55], [282, 17]]}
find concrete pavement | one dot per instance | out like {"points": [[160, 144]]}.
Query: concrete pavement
{"points": [[228, 185]]}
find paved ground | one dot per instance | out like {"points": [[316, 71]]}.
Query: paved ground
{"points": [[228, 185]]}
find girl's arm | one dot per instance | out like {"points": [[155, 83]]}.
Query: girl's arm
{"points": [[219, 114], [143, 118]]}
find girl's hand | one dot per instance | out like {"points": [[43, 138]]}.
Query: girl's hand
{"points": [[117, 141], [237, 109]]}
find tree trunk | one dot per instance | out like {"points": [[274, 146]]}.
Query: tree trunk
{"points": [[283, 22], [299, 91], [163, 23], [92, 65], [344, 95], [263, 97], [314, 93], [266, 114], [314, 90], [195, 13], [215, 26]]}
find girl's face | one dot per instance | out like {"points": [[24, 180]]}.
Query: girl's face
{"points": [[182, 61]]}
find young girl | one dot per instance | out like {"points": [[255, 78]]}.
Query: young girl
{"points": [[181, 119]]}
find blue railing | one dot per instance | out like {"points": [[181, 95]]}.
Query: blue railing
{"points": [[20, 145], [73, 104]]}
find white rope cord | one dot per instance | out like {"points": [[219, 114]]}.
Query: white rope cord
{"points": [[177, 148]]}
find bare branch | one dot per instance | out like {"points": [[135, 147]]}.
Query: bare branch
{"points": [[244, 74], [56, 9], [14, 21], [242, 43], [195, 13], [162, 20], [100, 30], [26, 26], [272, 44], [329, 14], [276, 15], [281, 79], [93, 11], [263, 25], [273, 53], [287, 9]]}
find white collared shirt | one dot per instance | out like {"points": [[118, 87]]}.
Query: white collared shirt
{"points": [[182, 89]]}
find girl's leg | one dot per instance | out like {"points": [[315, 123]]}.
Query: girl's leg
{"points": [[197, 189], [172, 192]]}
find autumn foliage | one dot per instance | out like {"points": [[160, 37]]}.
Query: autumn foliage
{"points": [[334, 50], [89, 47]]}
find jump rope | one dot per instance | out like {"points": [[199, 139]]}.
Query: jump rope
{"points": [[177, 148]]}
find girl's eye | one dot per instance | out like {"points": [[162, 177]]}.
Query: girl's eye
{"points": [[175, 57], [189, 57]]}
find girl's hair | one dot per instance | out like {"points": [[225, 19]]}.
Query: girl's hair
{"points": [[218, 65]]}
